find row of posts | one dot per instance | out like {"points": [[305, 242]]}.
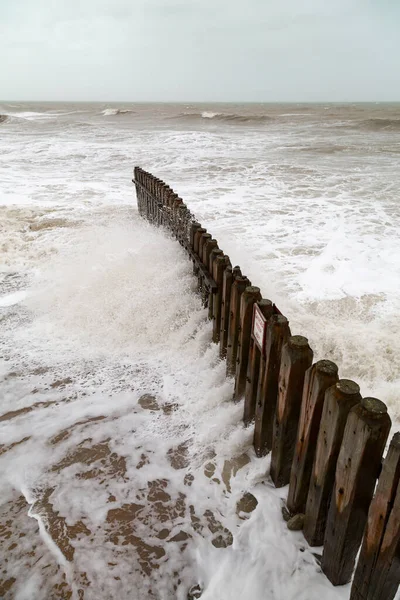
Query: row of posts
{"points": [[326, 441]]}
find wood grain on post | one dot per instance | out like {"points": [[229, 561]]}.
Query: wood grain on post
{"points": [[278, 332], [220, 264], [357, 469], [339, 400], [253, 369], [211, 298], [378, 574], [322, 375], [194, 227], [225, 305], [238, 286], [207, 249], [203, 239], [250, 296], [297, 357], [197, 235]]}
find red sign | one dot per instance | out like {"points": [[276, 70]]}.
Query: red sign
{"points": [[259, 327]]}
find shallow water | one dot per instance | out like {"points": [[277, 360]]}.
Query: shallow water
{"points": [[122, 454]]}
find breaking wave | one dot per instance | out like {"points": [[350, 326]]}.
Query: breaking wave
{"points": [[3, 118], [111, 112], [224, 117]]}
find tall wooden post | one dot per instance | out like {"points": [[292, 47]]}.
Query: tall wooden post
{"points": [[220, 264], [277, 333], [194, 228], [253, 369], [249, 297], [339, 400], [210, 266], [357, 469], [318, 379], [297, 357], [238, 287], [225, 308], [378, 570]]}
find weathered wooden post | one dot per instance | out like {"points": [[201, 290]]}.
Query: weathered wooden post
{"points": [[277, 333], [204, 238], [297, 357], [357, 469], [207, 249], [377, 574], [318, 379], [220, 264], [339, 400], [262, 312], [250, 296], [194, 228], [228, 278], [238, 286], [197, 236], [211, 298]]}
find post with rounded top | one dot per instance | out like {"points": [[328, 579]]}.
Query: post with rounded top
{"points": [[277, 334], [250, 296], [339, 400], [357, 469], [195, 226], [256, 355], [297, 357], [210, 266], [238, 286], [225, 304], [322, 375], [219, 264], [377, 574]]}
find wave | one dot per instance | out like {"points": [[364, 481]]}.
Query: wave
{"points": [[111, 112], [31, 116], [3, 118], [224, 117], [379, 124]]}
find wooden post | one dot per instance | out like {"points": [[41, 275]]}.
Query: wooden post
{"points": [[253, 369], [225, 304], [203, 239], [207, 249], [221, 263], [249, 297], [377, 574], [339, 400], [197, 235], [297, 357], [357, 469], [238, 286], [194, 228], [318, 379], [277, 333], [211, 298]]}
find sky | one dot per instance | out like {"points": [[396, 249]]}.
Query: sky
{"points": [[200, 50]]}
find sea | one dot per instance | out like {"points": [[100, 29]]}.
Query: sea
{"points": [[125, 468]]}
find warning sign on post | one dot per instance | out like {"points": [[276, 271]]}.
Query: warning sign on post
{"points": [[259, 325]]}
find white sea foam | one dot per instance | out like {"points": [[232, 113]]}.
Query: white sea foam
{"points": [[209, 115], [97, 310]]}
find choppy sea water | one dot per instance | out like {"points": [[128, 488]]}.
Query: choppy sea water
{"points": [[123, 460]]}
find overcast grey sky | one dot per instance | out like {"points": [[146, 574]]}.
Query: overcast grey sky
{"points": [[200, 50]]}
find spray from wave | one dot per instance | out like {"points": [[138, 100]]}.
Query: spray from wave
{"points": [[112, 112], [224, 117]]}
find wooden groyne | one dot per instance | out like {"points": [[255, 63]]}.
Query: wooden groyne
{"points": [[326, 441]]}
